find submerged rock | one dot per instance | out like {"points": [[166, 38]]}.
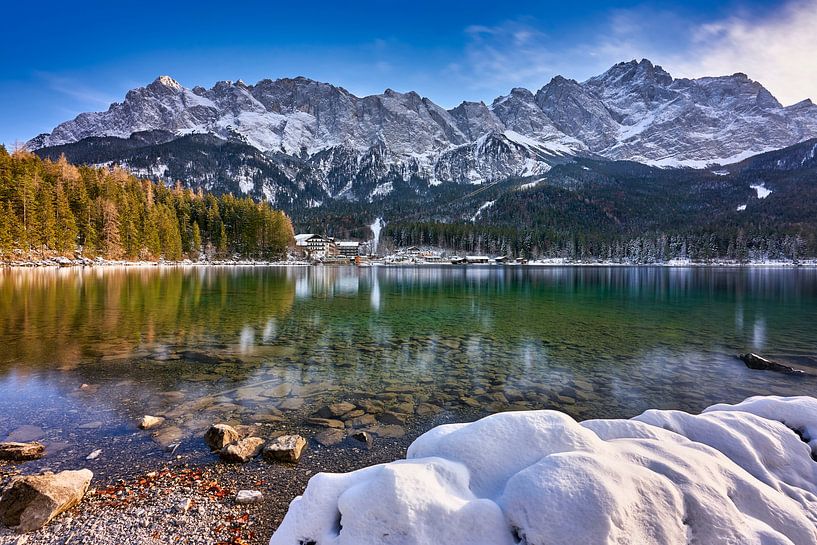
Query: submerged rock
{"points": [[325, 423], [147, 422], [220, 435], [361, 421], [286, 448], [753, 361], [335, 410], [21, 452], [31, 502], [242, 451], [26, 433]]}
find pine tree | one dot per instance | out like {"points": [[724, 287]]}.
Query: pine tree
{"points": [[67, 231], [111, 239], [196, 250]]}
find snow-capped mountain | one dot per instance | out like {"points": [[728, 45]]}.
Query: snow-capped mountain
{"points": [[353, 147]]}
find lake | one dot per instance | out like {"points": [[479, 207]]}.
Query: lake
{"points": [[86, 352]]}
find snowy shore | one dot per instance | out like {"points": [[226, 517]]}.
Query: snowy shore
{"points": [[549, 262], [744, 473]]}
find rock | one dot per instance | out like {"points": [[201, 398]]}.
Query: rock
{"points": [[184, 506], [353, 414], [390, 430], [149, 422], [390, 417], [94, 455], [286, 448], [330, 437], [364, 437], [291, 404], [26, 433], [247, 497], [361, 421], [325, 423], [335, 410], [31, 502], [220, 435], [753, 361], [405, 408], [371, 406], [242, 451], [168, 436], [90, 425], [427, 409], [261, 418], [20, 452]]}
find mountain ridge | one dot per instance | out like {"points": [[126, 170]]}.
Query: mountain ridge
{"points": [[345, 146]]}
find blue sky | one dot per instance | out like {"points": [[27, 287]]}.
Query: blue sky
{"points": [[62, 58]]}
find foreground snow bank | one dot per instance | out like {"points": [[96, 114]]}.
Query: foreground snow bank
{"points": [[736, 474]]}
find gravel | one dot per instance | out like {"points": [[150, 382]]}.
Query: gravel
{"points": [[190, 499]]}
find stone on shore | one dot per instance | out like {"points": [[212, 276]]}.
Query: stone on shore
{"points": [[220, 435], [247, 497], [286, 448], [242, 451], [330, 437], [147, 422], [364, 437], [30, 502], [21, 452]]}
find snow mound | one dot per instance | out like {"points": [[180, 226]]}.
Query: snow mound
{"points": [[736, 474]]}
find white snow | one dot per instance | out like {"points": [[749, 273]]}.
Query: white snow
{"points": [[741, 207], [762, 191], [531, 185], [376, 226], [735, 474], [484, 206]]}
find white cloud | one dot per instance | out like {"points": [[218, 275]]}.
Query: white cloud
{"points": [[779, 51], [81, 93]]}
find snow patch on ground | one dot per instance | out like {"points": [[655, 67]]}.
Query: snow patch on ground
{"points": [[531, 185], [741, 207], [733, 474], [762, 192], [484, 206]]}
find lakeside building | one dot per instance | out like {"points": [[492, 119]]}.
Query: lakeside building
{"points": [[316, 246], [348, 248]]}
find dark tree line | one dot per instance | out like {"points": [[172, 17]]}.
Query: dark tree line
{"points": [[52, 208], [651, 248]]}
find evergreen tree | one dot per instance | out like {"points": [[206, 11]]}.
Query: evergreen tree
{"points": [[67, 231]]}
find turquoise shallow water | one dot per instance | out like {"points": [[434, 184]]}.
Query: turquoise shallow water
{"points": [[85, 352]]}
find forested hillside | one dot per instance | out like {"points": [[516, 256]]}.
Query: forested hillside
{"points": [[52, 208], [756, 210]]}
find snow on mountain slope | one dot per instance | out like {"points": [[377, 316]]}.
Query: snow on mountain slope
{"points": [[634, 111], [734, 474]]}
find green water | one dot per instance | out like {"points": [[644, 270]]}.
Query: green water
{"points": [[85, 352]]}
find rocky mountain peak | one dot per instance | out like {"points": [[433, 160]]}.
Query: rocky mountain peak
{"points": [[635, 110]]}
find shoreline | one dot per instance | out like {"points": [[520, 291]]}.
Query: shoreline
{"points": [[74, 264], [139, 501]]}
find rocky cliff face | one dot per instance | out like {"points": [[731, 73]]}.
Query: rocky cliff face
{"points": [[343, 145]]}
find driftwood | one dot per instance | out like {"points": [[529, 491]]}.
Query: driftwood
{"points": [[753, 361]]}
